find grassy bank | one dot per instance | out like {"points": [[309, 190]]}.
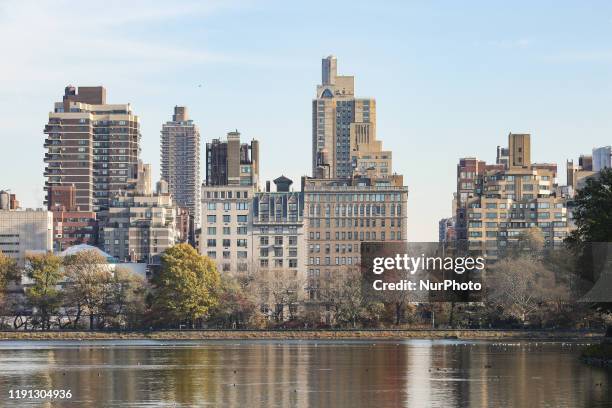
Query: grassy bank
{"points": [[303, 335]]}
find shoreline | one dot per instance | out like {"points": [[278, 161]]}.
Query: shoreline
{"points": [[357, 334]]}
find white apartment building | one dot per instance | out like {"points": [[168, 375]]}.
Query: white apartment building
{"points": [[226, 226]]}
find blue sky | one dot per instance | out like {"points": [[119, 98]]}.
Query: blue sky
{"points": [[451, 79]]}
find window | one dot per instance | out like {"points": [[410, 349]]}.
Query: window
{"points": [[226, 243], [278, 240], [293, 263], [242, 230], [242, 206], [212, 206], [211, 218], [226, 231], [242, 218], [242, 243], [227, 206], [263, 241], [211, 243], [226, 218], [212, 230]]}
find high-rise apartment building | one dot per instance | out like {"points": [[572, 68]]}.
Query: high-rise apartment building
{"points": [[141, 224], [339, 120], [497, 203], [180, 160], [340, 214], [91, 145], [231, 162]]}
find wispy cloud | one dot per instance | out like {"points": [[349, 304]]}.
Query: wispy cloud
{"points": [[517, 43], [589, 56], [48, 40]]}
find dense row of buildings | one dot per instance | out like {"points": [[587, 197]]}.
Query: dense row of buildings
{"points": [[495, 204], [99, 193]]}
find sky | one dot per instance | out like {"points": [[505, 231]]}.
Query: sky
{"points": [[451, 79]]}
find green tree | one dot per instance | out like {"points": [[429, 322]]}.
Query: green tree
{"points": [[593, 210], [8, 272], [186, 287], [593, 218], [43, 295]]}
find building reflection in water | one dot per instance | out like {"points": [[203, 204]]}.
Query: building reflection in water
{"points": [[308, 374]]}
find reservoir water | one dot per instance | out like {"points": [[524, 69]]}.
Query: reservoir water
{"points": [[414, 373]]}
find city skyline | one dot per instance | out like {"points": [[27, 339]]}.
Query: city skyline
{"points": [[429, 121]]}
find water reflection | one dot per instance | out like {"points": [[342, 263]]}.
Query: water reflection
{"points": [[305, 374]]}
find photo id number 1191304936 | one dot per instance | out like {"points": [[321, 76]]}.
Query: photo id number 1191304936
{"points": [[39, 394]]}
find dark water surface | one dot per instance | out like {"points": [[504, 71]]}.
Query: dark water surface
{"points": [[415, 373]]}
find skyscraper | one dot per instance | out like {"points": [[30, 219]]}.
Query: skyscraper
{"points": [[339, 119], [91, 145], [180, 160]]}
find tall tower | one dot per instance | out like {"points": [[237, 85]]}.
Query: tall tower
{"points": [[91, 145], [336, 113], [180, 160]]}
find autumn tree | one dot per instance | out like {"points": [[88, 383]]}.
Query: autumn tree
{"points": [[8, 272], [185, 288], [43, 294], [237, 306], [87, 275]]}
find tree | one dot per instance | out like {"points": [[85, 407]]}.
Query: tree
{"points": [[123, 300], [593, 218], [522, 286], [593, 210], [236, 307], [87, 274], [186, 287], [8, 272], [43, 295]]}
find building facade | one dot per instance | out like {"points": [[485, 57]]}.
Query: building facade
{"points": [[602, 158], [25, 232], [226, 226], [340, 214], [141, 224], [338, 118], [180, 160], [70, 225], [497, 204], [91, 145], [231, 162]]}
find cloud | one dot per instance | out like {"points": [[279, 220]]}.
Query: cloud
{"points": [[596, 56], [50, 40], [506, 44]]}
